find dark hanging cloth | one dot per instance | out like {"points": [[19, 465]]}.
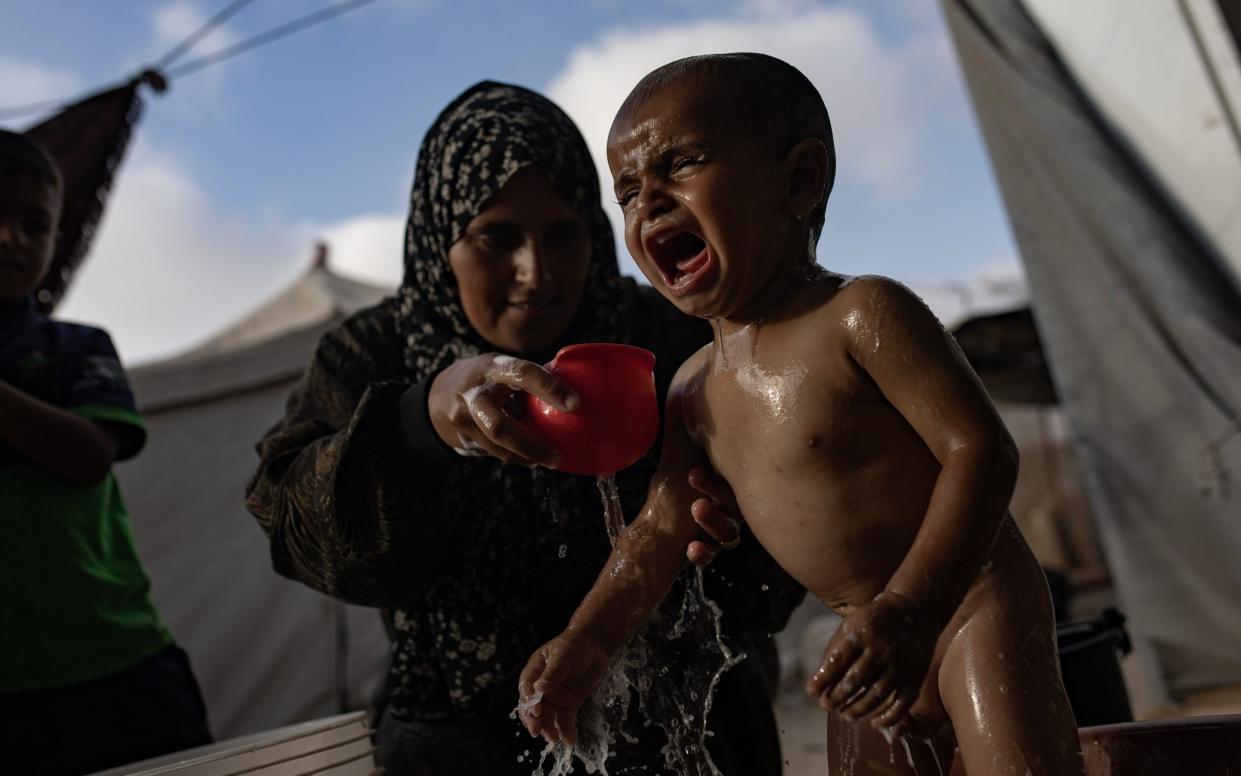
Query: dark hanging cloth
{"points": [[88, 140]]}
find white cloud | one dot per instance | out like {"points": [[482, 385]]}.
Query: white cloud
{"points": [[993, 287], [1002, 279], [869, 85], [170, 25], [168, 268], [22, 81], [763, 8], [174, 22], [916, 11], [368, 247], [874, 90]]}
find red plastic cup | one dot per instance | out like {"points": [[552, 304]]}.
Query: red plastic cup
{"points": [[618, 418]]}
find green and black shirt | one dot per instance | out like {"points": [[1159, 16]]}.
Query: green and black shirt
{"points": [[74, 602]]}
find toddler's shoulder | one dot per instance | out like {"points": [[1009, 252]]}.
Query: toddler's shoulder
{"points": [[879, 300], [862, 290], [874, 309]]}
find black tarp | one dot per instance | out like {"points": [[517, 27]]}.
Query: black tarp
{"points": [[88, 140]]}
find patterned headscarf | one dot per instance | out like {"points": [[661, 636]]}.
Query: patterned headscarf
{"points": [[475, 146]]}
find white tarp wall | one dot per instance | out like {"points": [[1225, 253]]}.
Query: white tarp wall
{"points": [[1165, 76], [1141, 320], [267, 651]]}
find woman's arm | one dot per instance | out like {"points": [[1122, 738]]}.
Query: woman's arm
{"points": [[349, 506]]}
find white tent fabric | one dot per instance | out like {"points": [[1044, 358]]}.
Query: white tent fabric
{"points": [[1142, 326], [267, 651], [1167, 79]]}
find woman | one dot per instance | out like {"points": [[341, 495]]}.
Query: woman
{"points": [[400, 478]]}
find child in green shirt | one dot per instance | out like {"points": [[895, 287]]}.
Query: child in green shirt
{"points": [[89, 676]]}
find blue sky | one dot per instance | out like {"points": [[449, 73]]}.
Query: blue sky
{"points": [[240, 167]]}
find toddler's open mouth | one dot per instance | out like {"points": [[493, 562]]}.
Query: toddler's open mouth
{"points": [[683, 258]]}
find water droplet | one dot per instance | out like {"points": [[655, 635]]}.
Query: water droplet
{"points": [[613, 515], [766, 587]]}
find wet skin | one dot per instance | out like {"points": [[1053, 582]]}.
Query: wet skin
{"points": [[676, 174], [863, 451]]}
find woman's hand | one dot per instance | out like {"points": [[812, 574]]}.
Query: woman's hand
{"points": [[476, 406], [716, 514]]}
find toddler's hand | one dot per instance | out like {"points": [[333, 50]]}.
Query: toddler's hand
{"points": [[876, 661], [556, 681]]}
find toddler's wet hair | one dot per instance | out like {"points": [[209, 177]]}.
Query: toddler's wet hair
{"points": [[20, 154], [775, 100]]}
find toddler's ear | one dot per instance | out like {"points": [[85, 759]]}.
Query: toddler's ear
{"points": [[809, 166]]}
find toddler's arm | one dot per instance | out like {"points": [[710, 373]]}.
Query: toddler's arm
{"points": [[649, 554], [67, 445], [878, 659]]}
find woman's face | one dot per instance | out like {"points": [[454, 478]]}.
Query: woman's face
{"points": [[521, 265]]}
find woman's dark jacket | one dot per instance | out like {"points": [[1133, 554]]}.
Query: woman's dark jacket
{"points": [[365, 510]]}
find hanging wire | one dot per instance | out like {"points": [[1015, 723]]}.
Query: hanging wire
{"points": [[194, 65], [264, 38], [177, 51]]}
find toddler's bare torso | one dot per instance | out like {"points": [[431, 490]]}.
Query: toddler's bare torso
{"points": [[830, 477]]}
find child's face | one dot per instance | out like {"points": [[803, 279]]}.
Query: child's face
{"points": [[29, 215], [702, 201]]}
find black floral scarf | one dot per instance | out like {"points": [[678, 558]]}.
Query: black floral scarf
{"points": [[474, 147]]}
